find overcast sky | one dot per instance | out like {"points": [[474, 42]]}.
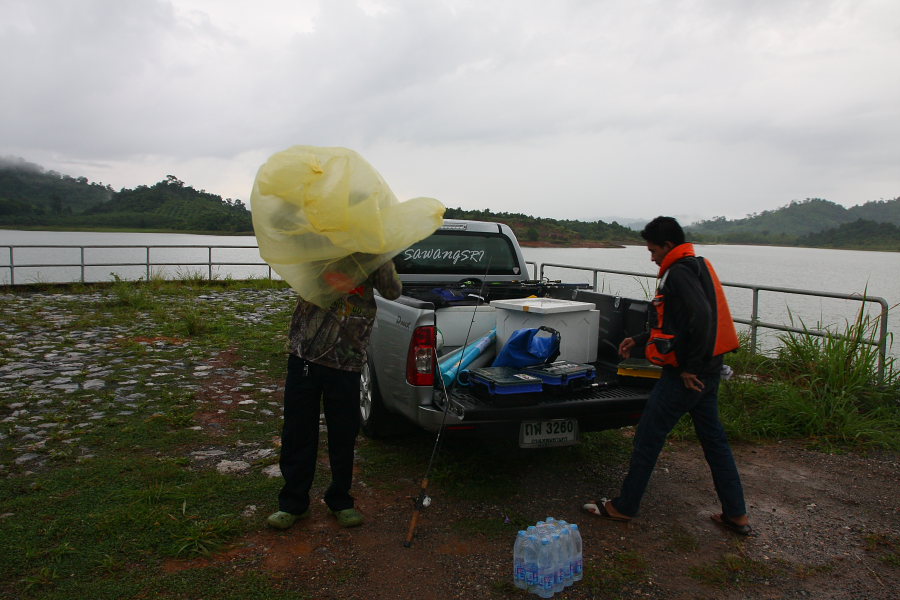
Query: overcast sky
{"points": [[558, 108]]}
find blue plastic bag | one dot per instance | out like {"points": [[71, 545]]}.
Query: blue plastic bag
{"points": [[525, 348]]}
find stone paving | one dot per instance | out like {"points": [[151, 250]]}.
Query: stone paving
{"points": [[64, 374]]}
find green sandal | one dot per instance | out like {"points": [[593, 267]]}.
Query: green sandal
{"points": [[349, 517], [283, 520]]}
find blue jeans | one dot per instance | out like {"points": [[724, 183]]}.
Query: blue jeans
{"points": [[668, 402]]}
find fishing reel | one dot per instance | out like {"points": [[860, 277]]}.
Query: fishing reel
{"points": [[422, 501]]}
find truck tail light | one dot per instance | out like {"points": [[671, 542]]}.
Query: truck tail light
{"points": [[420, 360]]}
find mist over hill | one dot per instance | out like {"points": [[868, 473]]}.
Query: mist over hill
{"points": [[33, 197]]}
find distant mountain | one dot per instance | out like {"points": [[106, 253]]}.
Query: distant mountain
{"points": [[33, 197], [796, 221]]}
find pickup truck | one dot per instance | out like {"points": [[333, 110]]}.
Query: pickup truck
{"points": [[450, 280]]}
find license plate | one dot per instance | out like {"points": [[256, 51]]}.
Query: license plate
{"points": [[551, 432]]}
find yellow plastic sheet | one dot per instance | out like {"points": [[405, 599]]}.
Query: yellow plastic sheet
{"points": [[325, 219]]}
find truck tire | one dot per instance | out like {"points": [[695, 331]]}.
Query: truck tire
{"points": [[374, 419]]}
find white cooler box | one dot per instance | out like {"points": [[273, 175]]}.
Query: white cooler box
{"points": [[577, 322]]}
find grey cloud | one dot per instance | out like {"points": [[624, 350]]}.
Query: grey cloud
{"points": [[745, 86]]}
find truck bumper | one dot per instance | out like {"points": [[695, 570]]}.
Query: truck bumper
{"points": [[596, 409]]}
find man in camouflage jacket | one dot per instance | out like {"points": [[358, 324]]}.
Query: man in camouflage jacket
{"points": [[327, 352]]}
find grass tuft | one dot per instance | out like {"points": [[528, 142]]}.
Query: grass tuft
{"points": [[825, 389], [204, 537]]}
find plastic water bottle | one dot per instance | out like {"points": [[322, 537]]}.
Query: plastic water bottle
{"points": [[519, 560], [578, 558], [546, 570], [530, 549], [568, 555], [558, 558]]}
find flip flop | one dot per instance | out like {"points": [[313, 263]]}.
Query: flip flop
{"points": [[727, 523], [599, 509]]}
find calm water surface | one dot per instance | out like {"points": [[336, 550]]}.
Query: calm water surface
{"points": [[839, 271]]}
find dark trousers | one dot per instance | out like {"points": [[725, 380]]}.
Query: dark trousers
{"points": [[668, 402], [306, 386]]}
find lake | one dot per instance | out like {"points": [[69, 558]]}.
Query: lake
{"points": [[838, 271]]}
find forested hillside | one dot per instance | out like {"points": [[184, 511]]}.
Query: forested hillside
{"points": [[33, 197], [536, 230], [859, 235], [169, 204], [812, 222], [883, 211]]}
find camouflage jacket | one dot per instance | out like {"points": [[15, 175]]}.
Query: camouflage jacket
{"points": [[337, 336]]}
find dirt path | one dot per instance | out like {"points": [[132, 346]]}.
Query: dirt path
{"points": [[828, 527]]}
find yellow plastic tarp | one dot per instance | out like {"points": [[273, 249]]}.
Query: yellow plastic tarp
{"points": [[325, 219]]}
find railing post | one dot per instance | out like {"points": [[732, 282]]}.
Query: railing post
{"points": [[754, 320], [209, 260], [82, 264], [882, 341], [12, 267], [148, 264]]}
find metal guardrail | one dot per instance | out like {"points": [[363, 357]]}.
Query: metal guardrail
{"points": [[537, 272], [755, 323], [147, 263]]}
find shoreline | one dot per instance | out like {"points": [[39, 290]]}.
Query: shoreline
{"points": [[583, 244]]}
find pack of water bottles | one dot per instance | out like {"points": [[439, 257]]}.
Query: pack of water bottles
{"points": [[547, 557]]}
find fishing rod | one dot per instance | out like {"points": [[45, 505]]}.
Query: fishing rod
{"points": [[423, 501]]}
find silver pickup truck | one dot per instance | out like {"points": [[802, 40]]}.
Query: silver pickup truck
{"points": [[452, 284]]}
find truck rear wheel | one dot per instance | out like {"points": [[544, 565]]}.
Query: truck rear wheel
{"points": [[374, 418]]}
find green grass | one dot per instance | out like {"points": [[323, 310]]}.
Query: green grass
{"points": [[610, 575], [122, 495], [886, 547], [823, 389], [733, 569]]}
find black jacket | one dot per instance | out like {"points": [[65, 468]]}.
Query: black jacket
{"points": [[690, 315]]}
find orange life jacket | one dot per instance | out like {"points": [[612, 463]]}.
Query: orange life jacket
{"points": [[661, 345]]}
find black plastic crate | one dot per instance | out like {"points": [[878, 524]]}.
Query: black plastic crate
{"points": [[563, 376], [509, 386]]}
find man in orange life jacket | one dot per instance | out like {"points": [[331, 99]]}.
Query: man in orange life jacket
{"points": [[690, 330]]}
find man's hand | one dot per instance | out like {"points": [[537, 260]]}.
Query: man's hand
{"points": [[625, 347], [691, 381]]}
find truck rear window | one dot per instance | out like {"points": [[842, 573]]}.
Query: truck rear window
{"points": [[459, 252]]}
